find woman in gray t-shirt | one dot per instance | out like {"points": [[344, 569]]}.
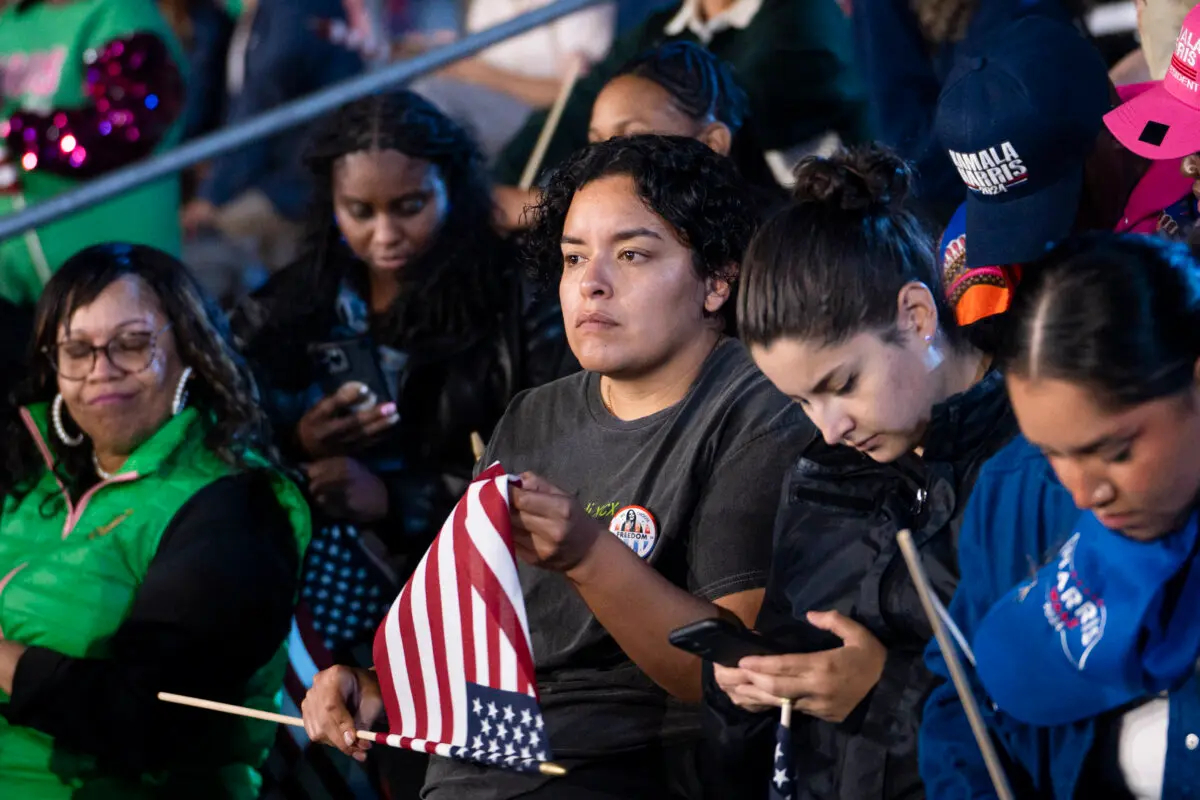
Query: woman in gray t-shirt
{"points": [[671, 427]]}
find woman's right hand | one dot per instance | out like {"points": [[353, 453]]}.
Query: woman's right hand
{"points": [[331, 429], [342, 700]]}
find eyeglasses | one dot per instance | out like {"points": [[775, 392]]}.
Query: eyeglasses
{"points": [[130, 352]]}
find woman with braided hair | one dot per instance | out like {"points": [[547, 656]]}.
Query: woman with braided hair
{"points": [[843, 310], [404, 273], [143, 518]]}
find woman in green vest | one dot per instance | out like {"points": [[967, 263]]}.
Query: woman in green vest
{"points": [[146, 544]]}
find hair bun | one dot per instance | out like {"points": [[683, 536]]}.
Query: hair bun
{"points": [[863, 178]]}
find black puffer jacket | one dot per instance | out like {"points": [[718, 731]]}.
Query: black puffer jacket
{"points": [[451, 386], [835, 548]]}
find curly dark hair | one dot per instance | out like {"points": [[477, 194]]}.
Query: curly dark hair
{"points": [[698, 193], [830, 264], [454, 284], [222, 386], [703, 87]]}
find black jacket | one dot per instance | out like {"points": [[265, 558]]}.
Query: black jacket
{"points": [[835, 548], [453, 386]]}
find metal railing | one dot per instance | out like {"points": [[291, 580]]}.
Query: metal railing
{"points": [[278, 119]]}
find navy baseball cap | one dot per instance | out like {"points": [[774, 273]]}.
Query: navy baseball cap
{"points": [[1019, 118]]}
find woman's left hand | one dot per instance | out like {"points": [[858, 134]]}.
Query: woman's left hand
{"points": [[345, 488], [828, 685], [550, 528]]}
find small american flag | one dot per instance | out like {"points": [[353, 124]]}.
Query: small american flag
{"points": [[453, 654], [783, 780]]}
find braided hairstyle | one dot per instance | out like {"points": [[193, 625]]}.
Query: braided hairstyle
{"points": [[703, 87], [222, 387], [453, 285]]}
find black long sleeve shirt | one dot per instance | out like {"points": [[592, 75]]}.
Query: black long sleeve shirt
{"points": [[213, 609]]}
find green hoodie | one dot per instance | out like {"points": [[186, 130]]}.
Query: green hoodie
{"points": [[50, 40], [68, 577]]}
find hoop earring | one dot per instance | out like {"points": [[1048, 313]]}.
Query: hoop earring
{"points": [[180, 401], [56, 418]]}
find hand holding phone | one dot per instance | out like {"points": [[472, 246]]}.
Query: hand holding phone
{"points": [[333, 428], [349, 361], [827, 682]]}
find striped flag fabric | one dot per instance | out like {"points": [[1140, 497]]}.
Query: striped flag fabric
{"points": [[453, 654]]}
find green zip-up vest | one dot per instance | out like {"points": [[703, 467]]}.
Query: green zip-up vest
{"points": [[67, 581]]}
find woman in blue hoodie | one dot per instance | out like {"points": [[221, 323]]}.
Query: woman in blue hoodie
{"points": [[1077, 596]]}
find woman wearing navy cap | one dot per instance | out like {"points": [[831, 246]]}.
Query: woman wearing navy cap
{"points": [[1077, 594]]}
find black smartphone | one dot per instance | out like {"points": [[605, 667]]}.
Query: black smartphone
{"points": [[725, 643], [349, 361]]}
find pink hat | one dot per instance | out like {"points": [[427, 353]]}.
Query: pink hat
{"points": [[1164, 122]]}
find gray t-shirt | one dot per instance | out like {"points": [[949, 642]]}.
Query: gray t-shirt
{"points": [[693, 489]]}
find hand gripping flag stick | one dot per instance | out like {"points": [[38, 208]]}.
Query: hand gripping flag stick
{"points": [[546, 767], [978, 728], [453, 655]]}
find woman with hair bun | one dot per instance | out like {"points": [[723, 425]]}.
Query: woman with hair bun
{"points": [[843, 310]]}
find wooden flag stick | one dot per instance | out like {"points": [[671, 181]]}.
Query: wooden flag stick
{"points": [[785, 713], [545, 767], [978, 728], [551, 125], [477, 446]]}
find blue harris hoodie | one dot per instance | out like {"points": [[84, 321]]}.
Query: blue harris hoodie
{"points": [[1018, 515]]}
